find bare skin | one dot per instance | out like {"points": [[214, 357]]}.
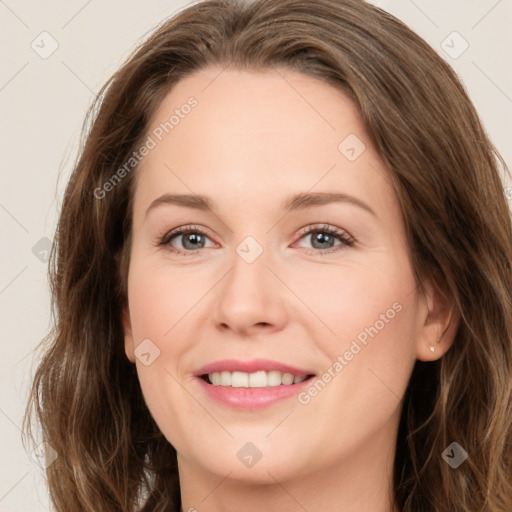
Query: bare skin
{"points": [[254, 140]]}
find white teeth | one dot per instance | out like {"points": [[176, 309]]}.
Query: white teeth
{"points": [[259, 379], [287, 379], [225, 379], [273, 378], [240, 380]]}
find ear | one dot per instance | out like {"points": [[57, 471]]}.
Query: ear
{"points": [[128, 337], [440, 320]]}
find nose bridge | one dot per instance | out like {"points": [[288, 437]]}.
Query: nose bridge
{"points": [[247, 297], [249, 270]]}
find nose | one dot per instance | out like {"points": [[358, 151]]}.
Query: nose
{"points": [[250, 299]]}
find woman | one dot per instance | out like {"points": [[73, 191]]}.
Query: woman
{"points": [[203, 357]]}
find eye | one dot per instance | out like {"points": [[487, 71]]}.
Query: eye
{"points": [[189, 239], [323, 239]]}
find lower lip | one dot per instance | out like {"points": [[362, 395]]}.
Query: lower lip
{"points": [[252, 398]]}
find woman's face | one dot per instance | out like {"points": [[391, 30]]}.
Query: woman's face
{"points": [[295, 263]]}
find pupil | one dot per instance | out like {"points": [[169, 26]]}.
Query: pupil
{"points": [[323, 238], [194, 238]]}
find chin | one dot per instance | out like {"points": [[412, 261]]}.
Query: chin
{"points": [[246, 462]]}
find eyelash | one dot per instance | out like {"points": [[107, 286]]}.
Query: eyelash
{"points": [[343, 237]]}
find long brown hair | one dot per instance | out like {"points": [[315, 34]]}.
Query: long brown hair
{"points": [[86, 395]]}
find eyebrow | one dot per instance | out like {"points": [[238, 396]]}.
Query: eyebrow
{"points": [[187, 200], [306, 200], [297, 202]]}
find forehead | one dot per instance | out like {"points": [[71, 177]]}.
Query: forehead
{"points": [[258, 133], [255, 107]]}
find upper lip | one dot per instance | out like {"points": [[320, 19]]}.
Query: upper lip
{"points": [[234, 365]]}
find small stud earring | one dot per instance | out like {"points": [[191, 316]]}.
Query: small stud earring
{"points": [[432, 348]]}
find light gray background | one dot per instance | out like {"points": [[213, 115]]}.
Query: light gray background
{"points": [[43, 102]]}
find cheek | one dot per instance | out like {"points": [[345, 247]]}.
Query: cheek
{"points": [[368, 367], [357, 302], [159, 300], [157, 308], [371, 314], [163, 304]]}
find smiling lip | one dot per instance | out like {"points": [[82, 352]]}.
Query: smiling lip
{"points": [[250, 398], [233, 365]]}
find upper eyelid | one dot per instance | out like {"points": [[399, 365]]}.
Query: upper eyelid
{"points": [[183, 230], [324, 227]]}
